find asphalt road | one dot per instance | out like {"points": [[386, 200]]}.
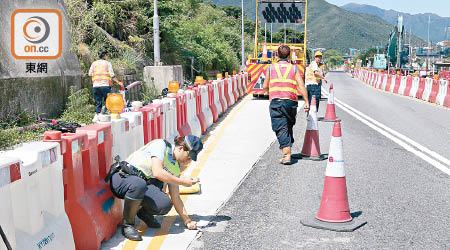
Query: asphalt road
{"points": [[393, 184]]}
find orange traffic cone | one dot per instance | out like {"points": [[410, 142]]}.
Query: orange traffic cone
{"points": [[334, 212], [330, 114], [311, 146]]}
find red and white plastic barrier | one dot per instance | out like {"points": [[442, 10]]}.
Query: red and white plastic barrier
{"points": [[199, 111], [172, 121], [157, 123], [446, 102], [246, 80], [93, 211], [408, 86], [427, 89], [136, 130], [229, 96], [434, 91], [239, 85], [191, 111], [384, 83], [37, 198], [443, 86], [120, 129], [9, 173], [205, 105], [147, 117], [415, 87], [402, 87], [169, 118], [182, 124], [211, 102]]}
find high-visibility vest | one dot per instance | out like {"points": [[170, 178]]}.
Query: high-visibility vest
{"points": [[142, 162], [310, 76], [283, 85], [100, 72]]}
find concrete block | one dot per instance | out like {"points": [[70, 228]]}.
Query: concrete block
{"points": [[159, 76], [40, 91]]}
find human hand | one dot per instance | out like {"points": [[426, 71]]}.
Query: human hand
{"points": [[188, 181], [191, 225], [121, 84], [306, 107]]}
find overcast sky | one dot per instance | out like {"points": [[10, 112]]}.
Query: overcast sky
{"points": [[439, 7]]}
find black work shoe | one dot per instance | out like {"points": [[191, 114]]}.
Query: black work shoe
{"points": [[129, 232], [148, 219]]}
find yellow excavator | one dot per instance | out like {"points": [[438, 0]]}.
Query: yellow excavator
{"points": [[291, 16]]}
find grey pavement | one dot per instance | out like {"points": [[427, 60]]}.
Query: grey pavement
{"points": [[404, 199]]}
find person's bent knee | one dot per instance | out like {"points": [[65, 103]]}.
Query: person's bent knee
{"points": [[165, 206], [137, 188]]}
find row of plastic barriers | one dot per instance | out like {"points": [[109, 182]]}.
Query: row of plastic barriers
{"points": [[426, 89], [53, 192]]}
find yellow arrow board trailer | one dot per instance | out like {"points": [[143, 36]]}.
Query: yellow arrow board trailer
{"points": [[286, 22]]}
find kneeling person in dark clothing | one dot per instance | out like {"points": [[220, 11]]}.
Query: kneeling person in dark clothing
{"points": [[156, 163]]}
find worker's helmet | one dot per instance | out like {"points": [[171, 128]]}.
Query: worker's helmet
{"points": [[318, 53]]}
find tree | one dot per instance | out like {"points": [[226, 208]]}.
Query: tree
{"points": [[333, 58]]}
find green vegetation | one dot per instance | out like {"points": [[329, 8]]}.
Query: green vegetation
{"points": [[188, 28], [292, 36], [80, 107], [333, 58], [366, 55], [10, 134]]}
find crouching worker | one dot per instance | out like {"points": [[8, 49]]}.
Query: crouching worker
{"points": [[140, 180]]}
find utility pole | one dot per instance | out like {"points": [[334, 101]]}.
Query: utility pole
{"points": [[410, 48], [243, 38], [271, 31], [265, 32], [192, 69], [156, 34]]}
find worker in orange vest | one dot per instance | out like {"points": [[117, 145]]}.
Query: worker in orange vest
{"points": [[102, 75], [284, 81]]}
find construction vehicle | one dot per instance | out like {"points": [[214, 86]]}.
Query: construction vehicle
{"points": [[277, 14]]}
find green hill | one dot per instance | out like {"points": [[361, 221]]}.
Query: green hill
{"points": [[332, 27], [417, 22]]}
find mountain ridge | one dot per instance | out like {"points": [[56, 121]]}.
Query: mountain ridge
{"points": [[332, 27], [417, 21]]}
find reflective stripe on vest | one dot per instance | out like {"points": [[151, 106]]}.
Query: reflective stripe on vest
{"points": [[169, 166], [100, 72], [283, 86], [310, 76], [144, 163]]}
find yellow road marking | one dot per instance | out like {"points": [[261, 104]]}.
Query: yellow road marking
{"points": [[170, 218]]}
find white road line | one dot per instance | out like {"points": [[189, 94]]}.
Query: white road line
{"points": [[419, 150]]}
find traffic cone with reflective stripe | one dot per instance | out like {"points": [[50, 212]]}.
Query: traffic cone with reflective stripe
{"points": [[330, 114], [311, 146], [334, 212], [264, 54]]}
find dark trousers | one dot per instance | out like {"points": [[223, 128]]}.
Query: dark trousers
{"points": [[100, 94], [282, 115], [314, 90], [155, 201]]}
